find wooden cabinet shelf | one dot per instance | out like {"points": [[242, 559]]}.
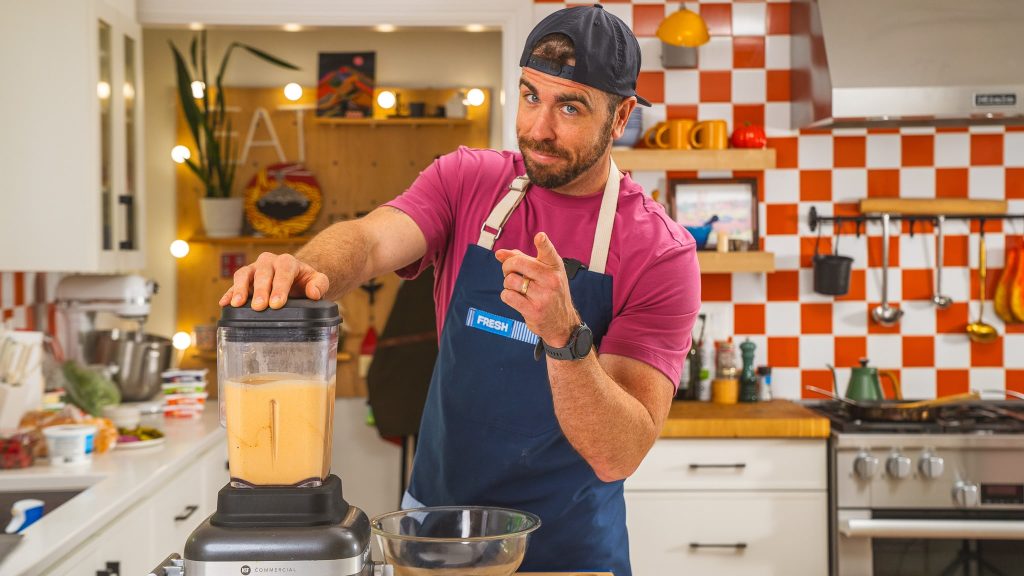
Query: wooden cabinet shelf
{"points": [[343, 356], [376, 122], [249, 240], [728, 262], [729, 159], [933, 206]]}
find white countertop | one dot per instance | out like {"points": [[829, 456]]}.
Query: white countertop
{"points": [[114, 482]]}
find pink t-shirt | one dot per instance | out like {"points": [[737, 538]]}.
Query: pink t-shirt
{"points": [[652, 260]]}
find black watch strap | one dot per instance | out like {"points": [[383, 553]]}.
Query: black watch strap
{"points": [[570, 351]]}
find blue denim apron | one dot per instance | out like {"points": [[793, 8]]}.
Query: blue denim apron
{"points": [[489, 435]]}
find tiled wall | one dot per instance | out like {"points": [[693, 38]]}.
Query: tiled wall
{"points": [[743, 76], [19, 294]]}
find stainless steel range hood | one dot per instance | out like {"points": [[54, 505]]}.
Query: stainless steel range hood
{"points": [[907, 62]]}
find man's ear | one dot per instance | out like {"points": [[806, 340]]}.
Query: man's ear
{"points": [[622, 112]]}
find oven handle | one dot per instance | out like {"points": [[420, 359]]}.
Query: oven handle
{"points": [[933, 529]]}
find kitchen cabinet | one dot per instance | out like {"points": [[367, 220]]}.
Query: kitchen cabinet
{"points": [[72, 123], [159, 524], [723, 506]]}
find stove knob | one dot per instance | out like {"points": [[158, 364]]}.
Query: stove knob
{"points": [[965, 494], [898, 465], [931, 466], [865, 465]]}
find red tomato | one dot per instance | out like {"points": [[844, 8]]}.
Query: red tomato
{"points": [[749, 137]]}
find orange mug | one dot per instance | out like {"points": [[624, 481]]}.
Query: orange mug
{"points": [[670, 134], [710, 135], [653, 137]]}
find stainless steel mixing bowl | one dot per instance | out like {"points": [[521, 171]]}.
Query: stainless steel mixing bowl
{"points": [[454, 540]]}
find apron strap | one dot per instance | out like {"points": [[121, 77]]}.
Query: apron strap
{"points": [[605, 220], [496, 220], [491, 230]]}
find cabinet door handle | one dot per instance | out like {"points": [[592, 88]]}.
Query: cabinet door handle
{"points": [[129, 229], [737, 545], [113, 568], [189, 511], [738, 466]]}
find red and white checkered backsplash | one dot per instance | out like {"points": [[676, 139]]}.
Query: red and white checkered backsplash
{"points": [[20, 292], [743, 76]]}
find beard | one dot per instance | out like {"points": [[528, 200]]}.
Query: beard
{"points": [[552, 177]]}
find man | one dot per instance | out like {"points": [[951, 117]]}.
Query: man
{"points": [[522, 411]]}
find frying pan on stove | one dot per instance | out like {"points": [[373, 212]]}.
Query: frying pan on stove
{"points": [[897, 410]]}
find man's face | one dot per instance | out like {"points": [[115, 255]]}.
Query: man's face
{"points": [[563, 128]]}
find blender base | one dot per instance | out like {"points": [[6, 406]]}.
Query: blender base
{"points": [[281, 531]]}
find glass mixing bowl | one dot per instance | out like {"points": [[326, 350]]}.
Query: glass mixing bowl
{"points": [[454, 540]]}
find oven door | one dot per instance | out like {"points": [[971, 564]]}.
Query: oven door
{"points": [[929, 542]]}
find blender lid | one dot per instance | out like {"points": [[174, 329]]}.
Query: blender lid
{"points": [[296, 313]]}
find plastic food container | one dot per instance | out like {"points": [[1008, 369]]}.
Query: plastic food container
{"points": [[276, 371], [70, 444]]}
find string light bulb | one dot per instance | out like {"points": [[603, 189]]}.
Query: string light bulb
{"points": [[180, 153], [475, 97], [386, 99], [181, 340], [179, 248], [292, 91]]}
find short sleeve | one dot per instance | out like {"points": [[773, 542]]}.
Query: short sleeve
{"points": [[655, 325], [431, 202]]}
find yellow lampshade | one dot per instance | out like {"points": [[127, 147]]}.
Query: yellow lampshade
{"points": [[683, 28]]}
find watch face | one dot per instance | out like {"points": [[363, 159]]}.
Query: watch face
{"points": [[584, 342]]}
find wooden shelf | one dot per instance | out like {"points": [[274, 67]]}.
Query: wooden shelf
{"points": [[933, 207], [376, 122], [730, 159], [728, 262], [249, 240]]}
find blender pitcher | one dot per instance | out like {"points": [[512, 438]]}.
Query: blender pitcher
{"points": [[276, 378]]}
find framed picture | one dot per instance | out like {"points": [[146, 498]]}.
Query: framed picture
{"points": [[345, 84], [693, 201]]}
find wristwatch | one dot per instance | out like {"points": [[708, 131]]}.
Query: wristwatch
{"points": [[581, 341]]}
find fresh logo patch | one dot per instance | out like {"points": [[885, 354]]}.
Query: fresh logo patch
{"points": [[500, 325]]}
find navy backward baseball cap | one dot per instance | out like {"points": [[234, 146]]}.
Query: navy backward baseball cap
{"points": [[607, 53]]}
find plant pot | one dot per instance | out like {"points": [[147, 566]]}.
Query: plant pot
{"points": [[222, 217]]}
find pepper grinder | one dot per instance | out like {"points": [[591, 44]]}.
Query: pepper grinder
{"points": [[748, 378]]}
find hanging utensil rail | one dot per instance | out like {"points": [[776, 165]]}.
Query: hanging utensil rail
{"points": [[814, 219]]}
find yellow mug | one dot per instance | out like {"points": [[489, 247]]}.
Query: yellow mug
{"points": [[652, 138], [710, 135]]}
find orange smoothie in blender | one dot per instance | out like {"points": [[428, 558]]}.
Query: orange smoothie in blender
{"points": [[279, 429]]}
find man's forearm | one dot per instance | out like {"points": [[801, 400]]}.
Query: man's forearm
{"points": [[610, 428], [341, 252]]}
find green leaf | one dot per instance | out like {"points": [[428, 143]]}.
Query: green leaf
{"points": [[198, 172], [206, 85], [192, 50], [269, 58], [193, 116]]}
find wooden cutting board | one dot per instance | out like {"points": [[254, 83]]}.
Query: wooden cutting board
{"points": [[565, 573], [775, 419]]}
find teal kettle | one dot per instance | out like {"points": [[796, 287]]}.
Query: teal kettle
{"points": [[865, 383]]}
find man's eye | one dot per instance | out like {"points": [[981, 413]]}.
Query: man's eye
{"points": [[570, 109], [532, 98]]}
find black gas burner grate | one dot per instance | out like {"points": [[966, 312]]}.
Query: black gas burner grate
{"points": [[986, 417]]}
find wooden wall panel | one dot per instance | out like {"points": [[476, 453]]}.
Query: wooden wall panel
{"points": [[360, 164]]}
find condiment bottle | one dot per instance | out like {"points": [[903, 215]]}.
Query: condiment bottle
{"points": [[748, 379]]}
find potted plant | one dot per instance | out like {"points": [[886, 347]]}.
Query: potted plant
{"points": [[208, 122]]}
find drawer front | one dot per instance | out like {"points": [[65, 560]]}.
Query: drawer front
{"points": [[699, 464], [734, 533], [179, 506]]}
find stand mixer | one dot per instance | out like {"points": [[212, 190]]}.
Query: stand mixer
{"points": [[102, 319]]}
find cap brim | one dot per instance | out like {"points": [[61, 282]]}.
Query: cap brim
{"points": [[642, 101]]}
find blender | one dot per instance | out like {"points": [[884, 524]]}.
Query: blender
{"points": [[282, 511]]}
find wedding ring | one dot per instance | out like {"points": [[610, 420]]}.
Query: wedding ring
{"points": [[525, 286]]}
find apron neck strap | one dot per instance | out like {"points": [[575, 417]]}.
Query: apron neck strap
{"points": [[491, 230]]}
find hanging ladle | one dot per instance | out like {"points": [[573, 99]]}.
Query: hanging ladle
{"points": [[980, 331], [941, 302], [883, 313]]}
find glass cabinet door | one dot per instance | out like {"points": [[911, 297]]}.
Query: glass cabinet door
{"points": [[104, 91], [128, 199]]}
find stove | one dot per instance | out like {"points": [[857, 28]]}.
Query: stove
{"points": [[939, 497]]}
